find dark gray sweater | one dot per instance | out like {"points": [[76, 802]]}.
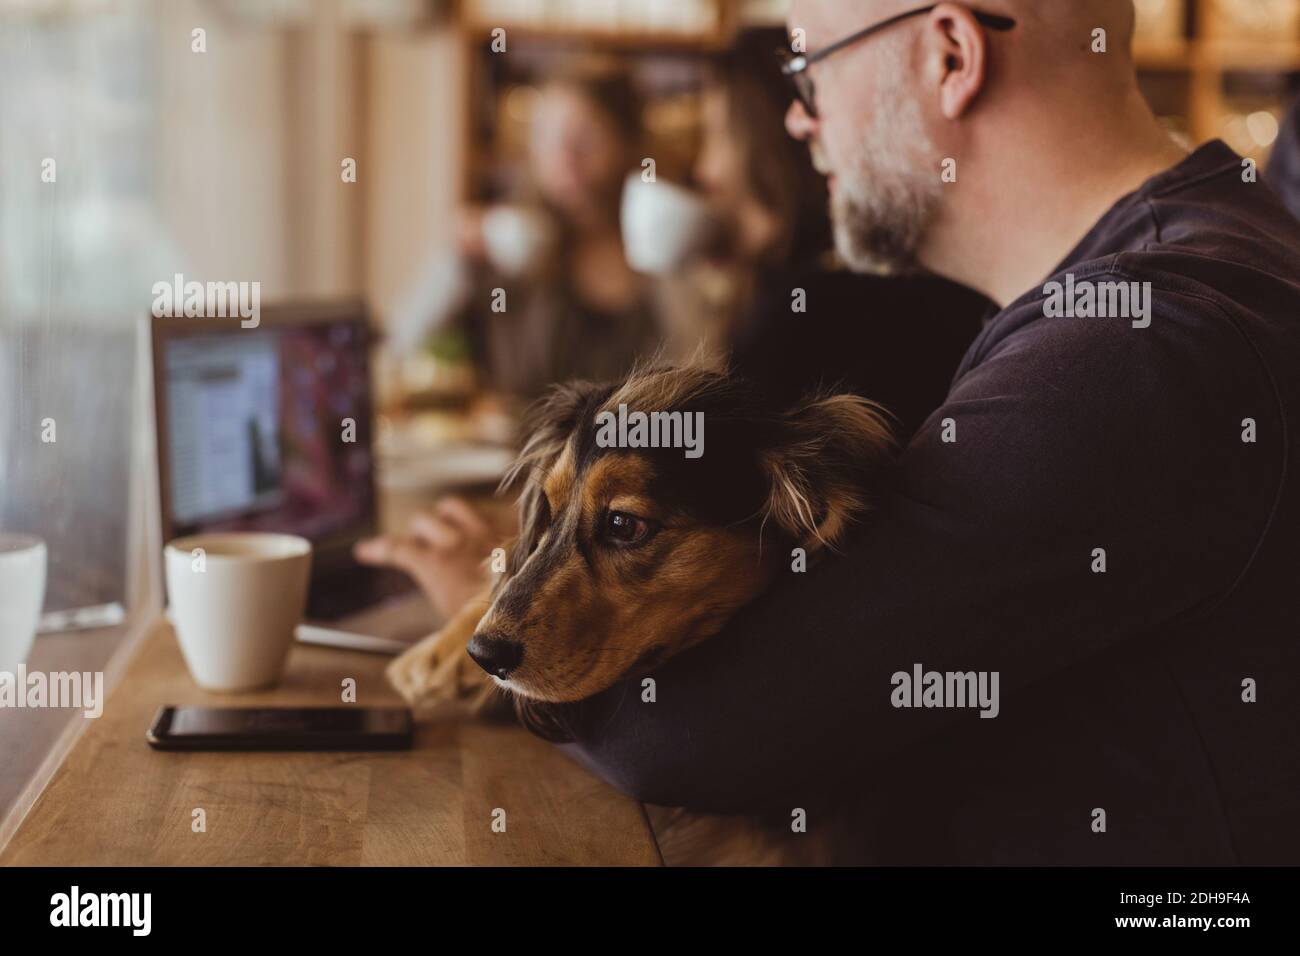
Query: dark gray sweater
{"points": [[1119, 691]]}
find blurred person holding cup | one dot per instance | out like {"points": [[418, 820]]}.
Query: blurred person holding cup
{"points": [[574, 308]]}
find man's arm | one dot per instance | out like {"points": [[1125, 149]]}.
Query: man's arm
{"points": [[1067, 439]]}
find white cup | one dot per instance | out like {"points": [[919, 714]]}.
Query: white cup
{"points": [[235, 601], [516, 239], [664, 226], [22, 595]]}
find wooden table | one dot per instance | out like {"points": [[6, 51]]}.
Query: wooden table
{"points": [[115, 801]]}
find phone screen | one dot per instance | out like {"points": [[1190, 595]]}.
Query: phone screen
{"points": [[311, 728]]}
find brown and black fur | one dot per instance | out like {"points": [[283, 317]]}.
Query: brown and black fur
{"points": [[587, 610]]}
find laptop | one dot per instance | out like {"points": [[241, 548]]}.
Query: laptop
{"points": [[270, 429]]}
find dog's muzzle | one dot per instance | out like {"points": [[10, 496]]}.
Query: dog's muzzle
{"points": [[495, 654]]}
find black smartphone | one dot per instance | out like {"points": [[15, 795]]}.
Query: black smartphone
{"points": [[272, 728]]}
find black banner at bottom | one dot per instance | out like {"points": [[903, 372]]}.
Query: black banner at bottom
{"points": [[212, 905]]}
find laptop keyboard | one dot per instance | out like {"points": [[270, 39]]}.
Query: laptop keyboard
{"points": [[352, 589]]}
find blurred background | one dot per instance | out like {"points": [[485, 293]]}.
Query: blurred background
{"points": [[429, 156]]}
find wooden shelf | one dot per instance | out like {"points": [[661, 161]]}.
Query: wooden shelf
{"points": [[1205, 60], [614, 40], [1190, 46], [627, 38], [1162, 54], [1283, 55], [1223, 55]]}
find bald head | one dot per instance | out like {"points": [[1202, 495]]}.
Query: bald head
{"points": [[1044, 18]]}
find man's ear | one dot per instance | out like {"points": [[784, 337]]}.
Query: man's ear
{"points": [[958, 40], [823, 466]]}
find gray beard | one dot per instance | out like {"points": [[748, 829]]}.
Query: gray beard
{"points": [[880, 228], [886, 205]]}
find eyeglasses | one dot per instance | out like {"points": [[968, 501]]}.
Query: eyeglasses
{"points": [[795, 66]]}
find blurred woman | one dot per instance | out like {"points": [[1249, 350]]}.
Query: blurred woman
{"points": [[569, 306], [799, 321]]}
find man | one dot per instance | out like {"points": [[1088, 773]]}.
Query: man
{"points": [[1101, 525]]}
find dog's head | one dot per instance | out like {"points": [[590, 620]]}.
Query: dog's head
{"points": [[630, 554]]}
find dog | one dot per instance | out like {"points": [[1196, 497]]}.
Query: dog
{"points": [[627, 556]]}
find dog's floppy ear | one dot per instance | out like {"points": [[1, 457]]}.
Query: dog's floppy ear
{"points": [[827, 453], [548, 424]]}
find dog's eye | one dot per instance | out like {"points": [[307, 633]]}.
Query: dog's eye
{"points": [[623, 528]]}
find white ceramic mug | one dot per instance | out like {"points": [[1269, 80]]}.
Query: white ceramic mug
{"points": [[664, 226], [22, 595], [235, 601], [516, 239]]}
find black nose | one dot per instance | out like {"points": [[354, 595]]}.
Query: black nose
{"points": [[495, 654]]}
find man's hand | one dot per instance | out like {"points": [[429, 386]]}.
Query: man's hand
{"points": [[444, 550]]}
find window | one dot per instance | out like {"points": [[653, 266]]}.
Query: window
{"points": [[77, 230]]}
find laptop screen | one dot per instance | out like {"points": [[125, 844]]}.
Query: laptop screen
{"points": [[268, 429]]}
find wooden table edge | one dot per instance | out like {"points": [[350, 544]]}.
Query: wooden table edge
{"points": [[135, 635]]}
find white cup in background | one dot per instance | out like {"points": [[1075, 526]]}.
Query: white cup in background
{"points": [[664, 225], [516, 239], [235, 605], [22, 594]]}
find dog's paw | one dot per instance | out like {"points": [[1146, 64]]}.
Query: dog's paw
{"points": [[435, 671]]}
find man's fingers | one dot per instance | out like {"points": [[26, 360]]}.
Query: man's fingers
{"points": [[436, 531], [461, 513], [410, 554], [405, 553], [372, 550]]}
